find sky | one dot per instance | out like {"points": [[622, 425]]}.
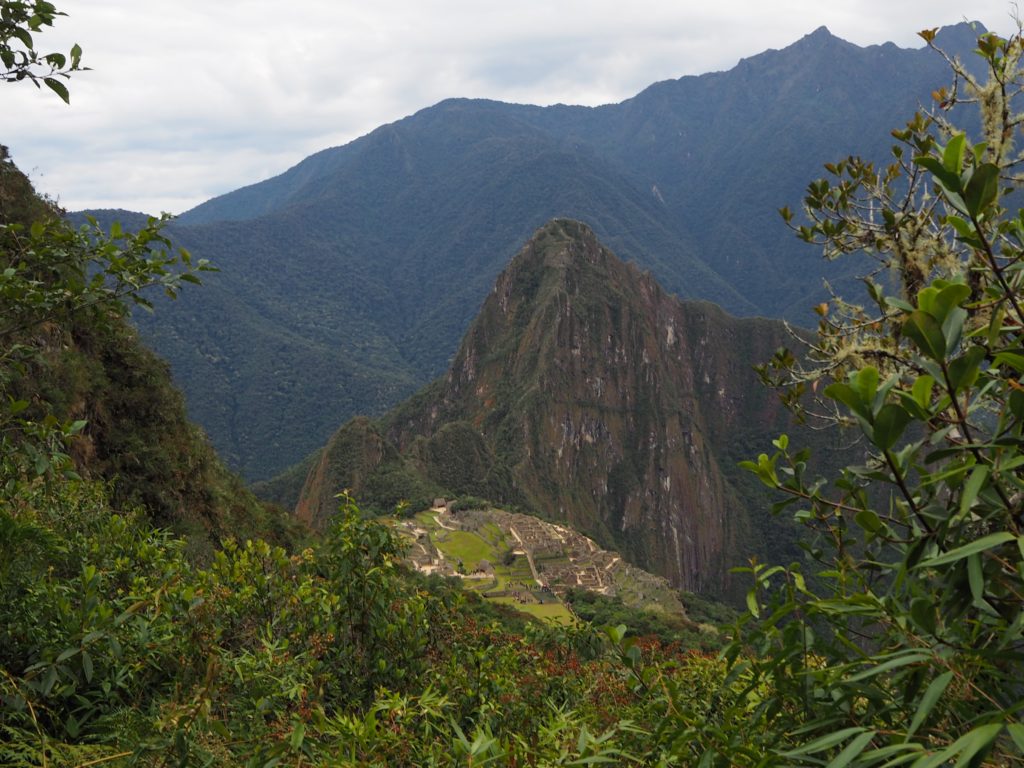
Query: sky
{"points": [[189, 99]]}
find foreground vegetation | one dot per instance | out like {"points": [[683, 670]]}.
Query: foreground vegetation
{"points": [[899, 642], [115, 647]]}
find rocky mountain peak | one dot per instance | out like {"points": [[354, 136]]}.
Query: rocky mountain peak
{"points": [[955, 38], [586, 394]]}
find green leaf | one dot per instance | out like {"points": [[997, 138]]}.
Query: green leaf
{"points": [[980, 545], [974, 742], [298, 734], [973, 486], [1011, 359], [948, 298], [868, 520], [982, 189], [979, 151], [852, 749], [902, 660], [92, 637], [949, 180], [898, 303], [922, 611], [922, 390], [962, 226], [59, 88], [23, 36], [953, 154], [1016, 461], [616, 633], [752, 605], [72, 726], [953, 328], [866, 382], [890, 422], [849, 397], [926, 333], [87, 666], [1016, 731], [909, 751], [825, 742], [963, 371], [1016, 402], [931, 697], [976, 577]]}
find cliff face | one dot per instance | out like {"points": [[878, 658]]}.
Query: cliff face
{"points": [[587, 394]]}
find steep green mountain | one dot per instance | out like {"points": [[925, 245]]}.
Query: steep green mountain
{"points": [[348, 280], [587, 394], [87, 363]]}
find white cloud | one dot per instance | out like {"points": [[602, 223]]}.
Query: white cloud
{"points": [[189, 99]]}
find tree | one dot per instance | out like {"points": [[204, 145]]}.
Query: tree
{"points": [[19, 20], [53, 276], [907, 646]]}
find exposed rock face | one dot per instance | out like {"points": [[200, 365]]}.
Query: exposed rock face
{"points": [[601, 401]]}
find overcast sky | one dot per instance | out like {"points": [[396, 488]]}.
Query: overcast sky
{"points": [[189, 99]]}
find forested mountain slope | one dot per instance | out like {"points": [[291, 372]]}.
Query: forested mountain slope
{"points": [[588, 395], [65, 363], [347, 280]]}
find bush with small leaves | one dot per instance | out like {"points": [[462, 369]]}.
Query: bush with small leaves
{"points": [[908, 646]]}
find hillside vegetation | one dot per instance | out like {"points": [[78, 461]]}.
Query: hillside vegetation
{"points": [[73, 366], [585, 394]]}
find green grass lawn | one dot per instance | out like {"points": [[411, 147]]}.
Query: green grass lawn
{"points": [[501, 579], [464, 546], [491, 533], [552, 611], [481, 585]]}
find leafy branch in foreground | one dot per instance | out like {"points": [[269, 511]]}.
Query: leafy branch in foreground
{"points": [[54, 279], [908, 647], [19, 21]]}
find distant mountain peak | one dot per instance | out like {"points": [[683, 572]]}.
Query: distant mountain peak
{"points": [[820, 39], [561, 242], [358, 270], [962, 36], [808, 50]]}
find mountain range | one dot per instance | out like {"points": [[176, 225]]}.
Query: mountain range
{"points": [[586, 394], [347, 281]]}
